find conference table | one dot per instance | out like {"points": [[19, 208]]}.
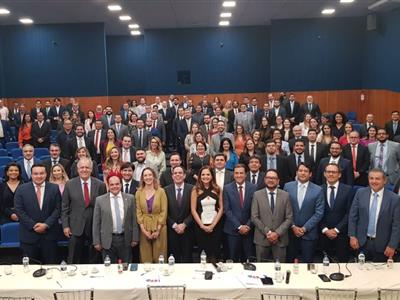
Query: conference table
{"points": [[235, 283]]}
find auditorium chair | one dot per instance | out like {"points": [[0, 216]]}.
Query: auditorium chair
{"points": [[10, 235], [388, 294], [74, 295], [333, 294]]}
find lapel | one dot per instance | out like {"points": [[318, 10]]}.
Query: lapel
{"points": [[36, 202], [267, 201], [384, 204], [108, 208], [92, 191], [236, 195], [338, 196], [46, 189], [126, 204]]}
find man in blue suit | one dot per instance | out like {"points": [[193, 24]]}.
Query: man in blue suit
{"points": [[338, 198], [307, 201], [28, 152], [374, 219], [238, 228], [38, 206]]}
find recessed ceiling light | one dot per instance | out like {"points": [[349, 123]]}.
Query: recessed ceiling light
{"points": [[135, 32], [226, 15], [223, 23], [133, 26], [229, 4], [125, 18], [328, 11], [114, 7], [26, 21], [4, 11], [346, 1]]}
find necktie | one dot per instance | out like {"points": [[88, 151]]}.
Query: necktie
{"points": [[380, 164], [28, 169], [298, 160], [207, 128], [372, 216], [140, 138], [313, 152], [300, 195], [291, 107], [126, 157], [272, 204], [39, 196], [221, 136], [118, 128], [179, 197], [126, 188], [354, 156], [253, 180], [96, 143], [394, 127], [86, 196], [79, 142], [272, 163], [309, 107], [332, 196], [54, 162], [118, 218], [241, 198]]}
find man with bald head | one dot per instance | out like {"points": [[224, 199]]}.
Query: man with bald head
{"points": [[310, 107]]}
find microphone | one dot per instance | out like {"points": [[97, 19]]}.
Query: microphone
{"points": [[40, 272], [337, 276], [287, 276]]}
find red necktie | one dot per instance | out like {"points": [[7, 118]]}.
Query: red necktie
{"points": [[86, 194], [354, 155], [241, 198]]}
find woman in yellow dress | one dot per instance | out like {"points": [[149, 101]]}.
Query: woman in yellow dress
{"points": [[151, 212]]}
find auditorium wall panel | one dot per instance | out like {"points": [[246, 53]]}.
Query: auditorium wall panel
{"points": [[59, 59]]}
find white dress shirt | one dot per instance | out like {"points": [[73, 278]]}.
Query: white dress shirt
{"points": [[220, 177], [118, 198], [378, 207], [301, 192]]}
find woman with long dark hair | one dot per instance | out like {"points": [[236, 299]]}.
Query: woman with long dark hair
{"points": [[12, 180], [24, 135]]}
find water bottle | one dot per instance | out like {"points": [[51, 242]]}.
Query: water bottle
{"points": [[278, 273], [296, 266], [325, 264], [120, 266], [171, 264], [361, 261], [25, 263], [107, 263], [390, 263], [161, 262], [63, 269], [203, 259]]}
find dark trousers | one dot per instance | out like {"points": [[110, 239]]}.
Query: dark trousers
{"points": [[300, 248], [81, 251], [240, 247], [43, 250], [118, 250], [370, 252], [337, 248], [181, 245]]}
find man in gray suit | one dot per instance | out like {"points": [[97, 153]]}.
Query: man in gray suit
{"points": [[216, 138], [120, 129], [78, 201], [272, 215], [385, 155], [115, 229], [140, 135], [374, 219], [244, 118]]}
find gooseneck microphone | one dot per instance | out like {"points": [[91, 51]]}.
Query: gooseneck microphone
{"points": [[337, 276], [40, 272]]}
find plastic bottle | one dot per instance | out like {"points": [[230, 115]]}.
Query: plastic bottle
{"points": [[278, 273], [25, 263], [296, 266], [203, 259], [107, 264], [171, 264], [63, 268], [325, 264], [161, 262], [390, 263], [120, 266], [361, 260]]}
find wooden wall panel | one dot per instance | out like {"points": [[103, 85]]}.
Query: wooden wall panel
{"points": [[378, 102]]}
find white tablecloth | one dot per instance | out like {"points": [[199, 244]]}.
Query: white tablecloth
{"points": [[233, 284]]}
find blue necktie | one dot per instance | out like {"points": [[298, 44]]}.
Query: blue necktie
{"points": [[272, 204], [332, 196], [372, 216], [118, 218]]}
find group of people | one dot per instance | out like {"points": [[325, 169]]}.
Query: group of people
{"points": [[277, 182]]}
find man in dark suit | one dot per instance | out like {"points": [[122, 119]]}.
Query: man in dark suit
{"points": [[222, 175], [166, 176], [264, 112], [296, 158], [54, 159], [80, 140], [180, 220], [359, 157], [47, 111], [255, 175], [115, 228], [56, 112], [272, 161], [64, 137], [314, 150], [272, 215], [128, 152], [28, 152], [374, 219], [206, 126], [124, 112], [108, 119], [232, 115], [96, 136], [198, 116], [335, 151], [238, 228], [120, 129], [35, 110], [393, 126], [333, 226], [37, 204], [175, 125], [369, 121], [297, 135], [141, 136], [129, 185], [40, 132], [278, 110], [184, 127], [78, 201], [307, 201], [310, 108], [292, 108]]}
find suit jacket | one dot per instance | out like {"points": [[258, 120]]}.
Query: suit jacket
{"points": [[281, 112], [29, 212], [103, 222], [362, 162], [389, 129], [293, 140], [43, 132], [198, 118], [235, 215], [24, 175], [228, 176], [292, 164], [73, 146], [166, 178], [104, 120], [392, 160], [74, 213], [183, 129], [145, 139], [34, 113], [179, 214], [338, 215], [295, 113], [231, 120], [246, 119], [123, 131], [265, 220], [363, 129], [53, 115], [216, 141], [63, 139], [132, 152], [320, 150], [311, 211], [344, 164], [132, 188], [281, 167], [62, 161], [260, 184], [388, 223], [315, 111]]}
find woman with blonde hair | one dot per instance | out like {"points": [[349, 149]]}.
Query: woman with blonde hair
{"points": [[58, 176], [112, 165], [155, 156], [151, 213], [80, 153]]}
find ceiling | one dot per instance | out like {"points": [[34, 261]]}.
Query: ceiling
{"points": [[172, 13]]}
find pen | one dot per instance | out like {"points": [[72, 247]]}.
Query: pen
{"points": [[59, 284]]}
